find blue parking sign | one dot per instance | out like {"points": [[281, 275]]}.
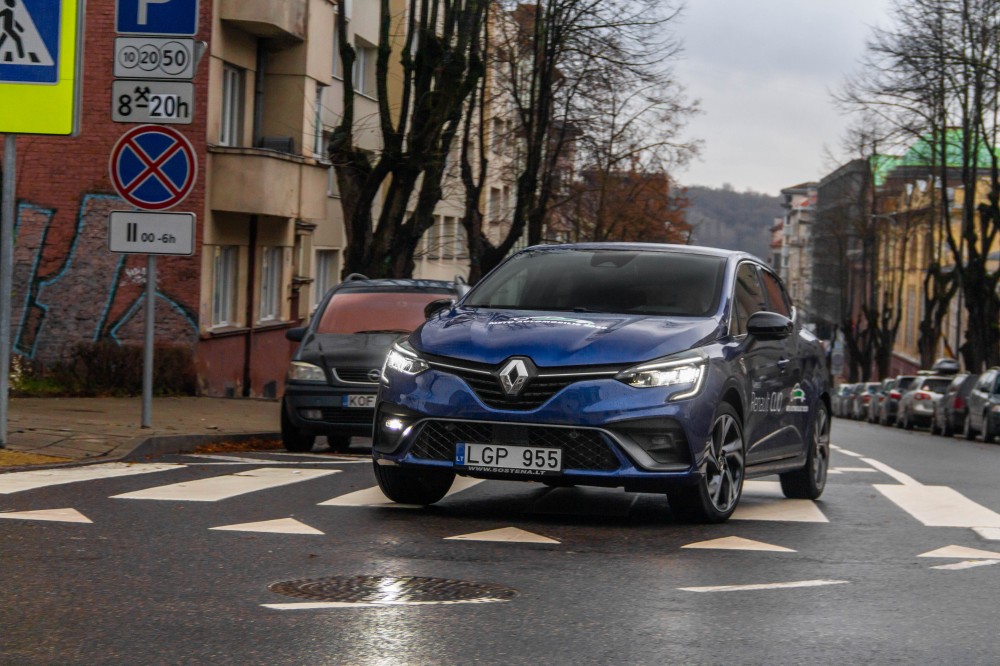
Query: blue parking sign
{"points": [[157, 17]]}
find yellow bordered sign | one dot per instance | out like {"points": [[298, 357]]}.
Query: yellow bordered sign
{"points": [[40, 66]]}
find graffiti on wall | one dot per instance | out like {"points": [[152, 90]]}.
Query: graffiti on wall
{"points": [[69, 288]]}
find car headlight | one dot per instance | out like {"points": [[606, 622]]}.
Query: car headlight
{"points": [[402, 358], [305, 372], [682, 372]]}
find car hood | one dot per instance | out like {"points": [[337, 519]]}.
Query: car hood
{"points": [[356, 350], [559, 338]]}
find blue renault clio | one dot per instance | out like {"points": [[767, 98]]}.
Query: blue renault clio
{"points": [[656, 368]]}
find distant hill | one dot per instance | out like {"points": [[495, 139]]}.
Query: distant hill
{"points": [[732, 220]]}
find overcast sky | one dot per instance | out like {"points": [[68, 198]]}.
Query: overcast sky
{"points": [[764, 70]]}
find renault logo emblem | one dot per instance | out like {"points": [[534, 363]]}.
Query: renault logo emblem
{"points": [[515, 374]]}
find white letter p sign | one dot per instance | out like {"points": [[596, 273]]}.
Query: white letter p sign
{"points": [[142, 17]]}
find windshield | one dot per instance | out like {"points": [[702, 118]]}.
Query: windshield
{"points": [[375, 311], [617, 281], [935, 385]]}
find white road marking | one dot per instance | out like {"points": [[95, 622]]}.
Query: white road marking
{"points": [[738, 543], [961, 553], [894, 473], [231, 485], [988, 533], [764, 586], [968, 564], [763, 500], [314, 605], [374, 497], [279, 526], [16, 482], [504, 534], [236, 460], [854, 470], [846, 452], [939, 506], [54, 515]]}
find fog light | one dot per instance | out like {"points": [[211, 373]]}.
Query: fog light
{"points": [[394, 424], [314, 414]]}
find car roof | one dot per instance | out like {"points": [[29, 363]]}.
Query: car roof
{"points": [[394, 284], [652, 247]]}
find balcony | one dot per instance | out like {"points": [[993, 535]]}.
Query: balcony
{"points": [[279, 20], [264, 182]]}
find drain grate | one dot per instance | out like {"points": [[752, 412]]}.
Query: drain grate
{"points": [[392, 590]]}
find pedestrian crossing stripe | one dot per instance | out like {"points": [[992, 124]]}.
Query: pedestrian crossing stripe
{"points": [[968, 564], [219, 488], [961, 553], [20, 41]]}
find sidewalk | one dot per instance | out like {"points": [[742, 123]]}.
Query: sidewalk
{"points": [[46, 431]]}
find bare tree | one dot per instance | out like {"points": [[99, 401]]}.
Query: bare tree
{"points": [[440, 65], [553, 60]]}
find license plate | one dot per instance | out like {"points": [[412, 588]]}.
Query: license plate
{"points": [[363, 400], [529, 460]]}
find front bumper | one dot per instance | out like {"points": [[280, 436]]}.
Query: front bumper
{"points": [[320, 409]]}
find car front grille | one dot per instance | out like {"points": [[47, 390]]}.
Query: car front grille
{"points": [[582, 448], [485, 383], [356, 375]]}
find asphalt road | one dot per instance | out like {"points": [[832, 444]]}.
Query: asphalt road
{"points": [[887, 567]]}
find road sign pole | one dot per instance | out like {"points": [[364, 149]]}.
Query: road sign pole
{"points": [[6, 276], [147, 361]]}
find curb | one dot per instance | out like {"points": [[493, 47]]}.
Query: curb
{"points": [[165, 445]]}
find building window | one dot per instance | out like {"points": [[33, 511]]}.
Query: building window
{"points": [[270, 283], [327, 269], [319, 142], [338, 65], [231, 131], [224, 274], [364, 67]]}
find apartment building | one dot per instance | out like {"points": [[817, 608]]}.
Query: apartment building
{"points": [[269, 234]]}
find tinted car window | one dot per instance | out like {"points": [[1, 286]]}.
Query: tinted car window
{"points": [[620, 281], [357, 311], [777, 299], [747, 297]]}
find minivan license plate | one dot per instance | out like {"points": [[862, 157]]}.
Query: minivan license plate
{"points": [[363, 400], [510, 458]]}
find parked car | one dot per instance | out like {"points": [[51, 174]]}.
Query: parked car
{"points": [[840, 400], [875, 406], [888, 407], [983, 412], [916, 407], [863, 398], [950, 410], [333, 377], [658, 368]]}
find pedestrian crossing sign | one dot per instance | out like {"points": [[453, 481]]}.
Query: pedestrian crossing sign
{"points": [[39, 72]]}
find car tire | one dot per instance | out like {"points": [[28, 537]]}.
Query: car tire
{"points": [[934, 426], [295, 441], [412, 485], [338, 441], [967, 429], [987, 431], [714, 498], [947, 430], [809, 482]]}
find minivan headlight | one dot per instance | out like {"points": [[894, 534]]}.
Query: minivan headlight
{"points": [[402, 358], [682, 372], [305, 372]]}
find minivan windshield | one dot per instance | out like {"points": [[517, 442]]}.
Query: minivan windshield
{"points": [[613, 281], [375, 311]]}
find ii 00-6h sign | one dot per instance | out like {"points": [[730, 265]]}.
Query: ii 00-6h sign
{"points": [[151, 233]]}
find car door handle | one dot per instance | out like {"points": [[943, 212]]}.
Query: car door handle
{"points": [[783, 363]]}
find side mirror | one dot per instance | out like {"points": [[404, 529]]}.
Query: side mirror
{"points": [[769, 325], [434, 307], [295, 334]]}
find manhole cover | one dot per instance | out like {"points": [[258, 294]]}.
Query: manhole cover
{"points": [[392, 590]]}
